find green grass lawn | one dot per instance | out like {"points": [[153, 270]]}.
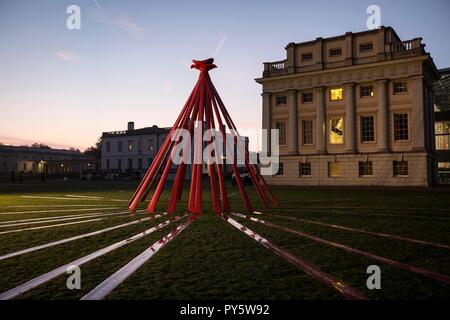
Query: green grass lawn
{"points": [[213, 260]]}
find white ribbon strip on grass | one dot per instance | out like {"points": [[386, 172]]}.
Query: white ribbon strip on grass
{"points": [[58, 198], [53, 205], [33, 283], [67, 218], [57, 217], [398, 264], [330, 281], [83, 197], [60, 210], [378, 234], [81, 236], [107, 286], [50, 226]]}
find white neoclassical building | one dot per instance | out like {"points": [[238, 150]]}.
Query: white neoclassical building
{"points": [[131, 149], [355, 109]]}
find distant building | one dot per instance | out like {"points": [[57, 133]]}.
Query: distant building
{"points": [[441, 91], [133, 150], [34, 161], [355, 109]]}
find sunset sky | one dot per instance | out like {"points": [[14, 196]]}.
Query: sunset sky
{"points": [[130, 60]]}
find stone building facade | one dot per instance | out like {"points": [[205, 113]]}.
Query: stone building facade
{"points": [[355, 109]]}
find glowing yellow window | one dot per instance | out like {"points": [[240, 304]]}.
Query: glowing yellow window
{"points": [[336, 132], [336, 94]]}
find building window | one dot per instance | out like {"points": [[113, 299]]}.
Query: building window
{"points": [[25, 166], [401, 126], [307, 132], [151, 144], [107, 164], [336, 94], [366, 91], [108, 146], [400, 168], [367, 128], [304, 169], [281, 126], [335, 52], [307, 56], [119, 164], [280, 169], [130, 145], [281, 100], [336, 130], [307, 97], [140, 164], [365, 169], [150, 160], [130, 164], [366, 47], [400, 87], [334, 169], [442, 130], [119, 146]]}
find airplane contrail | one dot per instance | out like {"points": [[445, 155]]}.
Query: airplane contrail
{"points": [[219, 46], [106, 18]]}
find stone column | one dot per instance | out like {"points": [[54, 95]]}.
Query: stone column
{"points": [[349, 124], [266, 117], [320, 120], [383, 116], [349, 48], [293, 125], [417, 118], [290, 61]]}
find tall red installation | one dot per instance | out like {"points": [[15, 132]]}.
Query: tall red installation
{"points": [[204, 106]]}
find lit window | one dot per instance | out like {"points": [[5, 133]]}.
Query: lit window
{"points": [[335, 52], [366, 47], [400, 168], [307, 56], [401, 126], [307, 132], [444, 165], [151, 144], [366, 91], [130, 145], [367, 129], [400, 87], [307, 97], [281, 126], [304, 169], [334, 169], [281, 100], [337, 130], [336, 94], [442, 130], [280, 169], [365, 169]]}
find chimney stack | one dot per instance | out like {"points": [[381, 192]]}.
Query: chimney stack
{"points": [[130, 125]]}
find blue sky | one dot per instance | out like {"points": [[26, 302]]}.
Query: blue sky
{"points": [[64, 87]]}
